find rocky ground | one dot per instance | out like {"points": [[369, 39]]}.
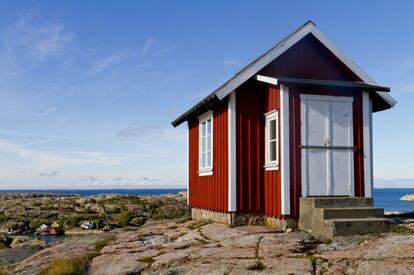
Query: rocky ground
{"points": [[27, 211], [191, 247], [182, 246]]}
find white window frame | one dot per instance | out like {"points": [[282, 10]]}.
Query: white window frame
{"points": [[207, 170], [269, 164]]}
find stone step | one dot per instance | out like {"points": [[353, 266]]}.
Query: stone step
{"points": [[352, 212], [346, 227], [336, 202]]}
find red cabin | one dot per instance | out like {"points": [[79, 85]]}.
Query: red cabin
{"points": [[296, 122]]}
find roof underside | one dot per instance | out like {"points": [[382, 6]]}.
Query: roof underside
{"points": [[380, 94]]}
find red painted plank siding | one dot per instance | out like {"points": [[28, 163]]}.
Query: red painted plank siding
{"points": [[249, 141], [272, 179], [295, 140], [257, 190], [210, 192], [309, 58]]}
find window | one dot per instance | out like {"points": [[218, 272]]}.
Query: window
{"points": [[206, 144], [272, 140]]}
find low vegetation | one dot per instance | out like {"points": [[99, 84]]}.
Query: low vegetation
{"points": [[28, 211], [74, 266], [78, 265], [402, 229], [258, 266], [102, 243], [198, 224]]}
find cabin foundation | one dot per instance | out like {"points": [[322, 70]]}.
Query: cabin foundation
{"points": [[237, 219]]}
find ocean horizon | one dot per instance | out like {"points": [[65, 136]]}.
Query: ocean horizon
{"points": [[387, 198]]}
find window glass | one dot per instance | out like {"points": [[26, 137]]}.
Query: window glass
{"points": [[272, 147], [206, 143]]}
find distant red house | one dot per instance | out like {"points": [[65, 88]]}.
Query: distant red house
{"points": [[295, 122]]}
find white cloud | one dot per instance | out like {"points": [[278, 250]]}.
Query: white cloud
{"points": [[49, 111], [50, 175], [36, 142], [112, 60], [41, 41], [140, 131], [149, 43], [231, 61], [54, 159]]}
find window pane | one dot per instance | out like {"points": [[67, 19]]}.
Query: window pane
{"points": [[209, 159], [203, 160], [208, 143], [203, 129], [203, 144], [209, 126], [272, 153], [272, 129]]}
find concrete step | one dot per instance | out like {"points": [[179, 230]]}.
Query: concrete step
{"points": [[336, 202], [352, 212], [346, 227]]}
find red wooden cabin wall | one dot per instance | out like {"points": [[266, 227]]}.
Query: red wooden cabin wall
{"points": [[257, 190], [210, 192]]}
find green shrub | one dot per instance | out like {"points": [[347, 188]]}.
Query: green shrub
{"points": [[74, 221], [258, 266], [74, 266], [125, 217], [3, 246], [36, 223], [102, 243], [3, 218], [198, 224]]}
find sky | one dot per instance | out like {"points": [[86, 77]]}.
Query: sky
{"points": [[88, 89]]}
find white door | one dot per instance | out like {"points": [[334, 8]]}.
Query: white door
{"points": [[327, 146]]}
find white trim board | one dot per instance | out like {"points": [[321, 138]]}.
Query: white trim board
{"points": [[285, 149], [367, 136], [232, 196], [266, 79], [188, 164]]}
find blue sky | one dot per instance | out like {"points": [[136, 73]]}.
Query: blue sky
{"points": [[88, 88]]}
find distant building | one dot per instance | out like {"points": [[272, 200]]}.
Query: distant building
{"points": [[87, 225]]}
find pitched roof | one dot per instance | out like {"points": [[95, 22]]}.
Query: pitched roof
{"points": [[259, 63]]}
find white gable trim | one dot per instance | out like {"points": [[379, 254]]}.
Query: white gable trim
{"points": [[283, 47]]}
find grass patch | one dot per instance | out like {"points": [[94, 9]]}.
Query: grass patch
{"points": [[147, 260], [74, 266], [257, 266], [102, 243], [3, 271], [184, 219], [202, 241], [198, 224], [401, 229], [3, 246]]}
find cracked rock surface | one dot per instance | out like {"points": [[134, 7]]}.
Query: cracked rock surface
{"points": [[194, 247]]}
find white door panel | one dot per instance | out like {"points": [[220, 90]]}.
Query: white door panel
{"points": [[341, 174], [316, 159], [316, 123], [327, 146], [341, 123]]}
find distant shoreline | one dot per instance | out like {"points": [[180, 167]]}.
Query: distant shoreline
{"points": [[92, 192]]}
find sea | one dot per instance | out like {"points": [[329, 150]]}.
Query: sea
{"points": [[387, 198]]}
